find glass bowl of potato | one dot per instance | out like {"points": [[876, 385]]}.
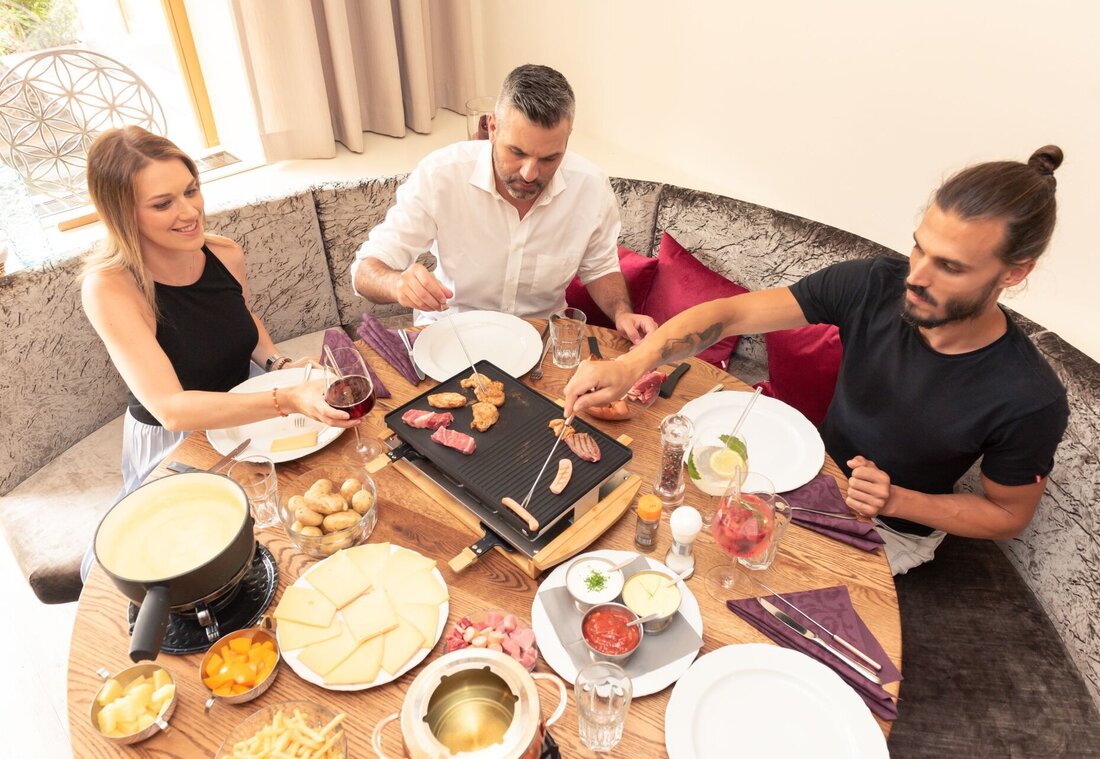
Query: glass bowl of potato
{"points": [[329, 508]]}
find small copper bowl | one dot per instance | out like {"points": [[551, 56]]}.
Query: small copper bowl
{"points": [[260, 634]]}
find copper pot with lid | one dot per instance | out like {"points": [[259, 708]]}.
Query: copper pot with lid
{"points": [[473, 702]]}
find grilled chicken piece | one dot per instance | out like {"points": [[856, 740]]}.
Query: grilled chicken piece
{"points": [[447, 400], [485, 416], [556, 425], [495, 388], [585, 446]]}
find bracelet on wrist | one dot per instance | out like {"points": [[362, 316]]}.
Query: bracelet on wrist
{"points": [[276, 362], [275, 400]]}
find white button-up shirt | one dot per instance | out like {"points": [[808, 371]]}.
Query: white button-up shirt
{"points": [[487, 256]]}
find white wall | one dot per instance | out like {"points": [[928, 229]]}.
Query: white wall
{"points": [[849, 112]]}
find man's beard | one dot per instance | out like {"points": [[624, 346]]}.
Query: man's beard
{"points": [[954, 311], [517, 193]]}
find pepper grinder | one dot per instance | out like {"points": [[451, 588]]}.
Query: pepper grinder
{"points": [[685, 523], [676, 432]]}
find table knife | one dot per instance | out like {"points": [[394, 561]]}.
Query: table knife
{"points": [[409, 349], [810, 635], [867, 659], [594, 348], [179, 466], [670, 382]]}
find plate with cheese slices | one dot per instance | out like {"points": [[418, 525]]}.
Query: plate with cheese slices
{"points": [[362, 617], [279, 438]]}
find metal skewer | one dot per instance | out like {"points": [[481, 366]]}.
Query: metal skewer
{"points": [[477, 374], [531, 492]]}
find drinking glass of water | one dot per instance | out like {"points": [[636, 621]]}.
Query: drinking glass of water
{"points": [[256, 476], [603, 691], [567, 331]]}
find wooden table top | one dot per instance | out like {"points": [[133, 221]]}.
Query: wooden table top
{"points": [[409, 517]]}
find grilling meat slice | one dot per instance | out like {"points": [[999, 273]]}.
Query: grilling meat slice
{"points": [[485, 416], [495, 388], [460, 441], [556, 425], [447, 400], [585, 446], [426, 420]]}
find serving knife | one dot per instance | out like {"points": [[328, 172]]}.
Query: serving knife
{"points": [[670, 382], [180, 467], [409, 349], [785, 618], [867, 659]]}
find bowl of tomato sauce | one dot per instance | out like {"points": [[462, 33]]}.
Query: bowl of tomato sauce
{"points": [[607, 634]]}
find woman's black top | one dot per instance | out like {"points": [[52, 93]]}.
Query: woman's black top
{"points": [[206, 331]]}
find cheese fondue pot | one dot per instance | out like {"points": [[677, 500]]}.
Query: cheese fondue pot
{"points": [[173, 543], [473, 702]]}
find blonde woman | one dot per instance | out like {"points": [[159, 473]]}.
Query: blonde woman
{"points": [[170, 302]]}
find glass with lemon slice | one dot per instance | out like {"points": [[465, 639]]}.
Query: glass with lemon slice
{"points": [[715, 464]]}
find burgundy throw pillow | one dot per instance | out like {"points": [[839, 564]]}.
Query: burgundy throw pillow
{"points": [[638, 270], [682, 281], [803, 365]]}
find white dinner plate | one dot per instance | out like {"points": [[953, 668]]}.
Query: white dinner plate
{"points": [[263, 433], [783, 445], [555, 655], [307, 674], [505, 340], [756, 699]]}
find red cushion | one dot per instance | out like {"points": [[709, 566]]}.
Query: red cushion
{"points": [[803, 365], [682, 282], [638, 270]]}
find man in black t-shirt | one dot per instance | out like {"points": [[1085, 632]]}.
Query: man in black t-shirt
{"points": [[935, 374]]}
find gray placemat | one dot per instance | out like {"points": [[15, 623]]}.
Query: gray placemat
{"points": [[677, 640]]}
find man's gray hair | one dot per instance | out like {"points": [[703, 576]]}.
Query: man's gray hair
{"points": [[540, 93]]}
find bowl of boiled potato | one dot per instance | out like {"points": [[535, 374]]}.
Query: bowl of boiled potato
{"points": [[133, 704], [329, 508]]}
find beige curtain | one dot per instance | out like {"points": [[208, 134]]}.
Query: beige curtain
{"points": [[327, 70]]}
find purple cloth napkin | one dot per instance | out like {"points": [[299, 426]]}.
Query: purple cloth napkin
{"points": [[337, 338], [833, 608], [822, 493], [387, 344]]}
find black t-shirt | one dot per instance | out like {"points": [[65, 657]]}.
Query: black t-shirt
{"points": [[925, 417], [206, 331]]}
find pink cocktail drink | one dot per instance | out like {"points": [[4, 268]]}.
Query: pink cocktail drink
{"points": [[744, 526]]}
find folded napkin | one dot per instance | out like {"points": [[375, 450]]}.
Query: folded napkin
{"points": [[335, 338], [831, 607], [656, 650], [387, 343], [822, 493]]}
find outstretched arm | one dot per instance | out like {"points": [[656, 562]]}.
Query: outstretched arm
{"points": [[688, 333]]}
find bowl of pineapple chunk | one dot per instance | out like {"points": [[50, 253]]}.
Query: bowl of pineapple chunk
{"points": [[133, 704]]}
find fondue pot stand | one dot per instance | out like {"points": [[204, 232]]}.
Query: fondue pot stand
{"points": [[191, 591], [473, 702]]}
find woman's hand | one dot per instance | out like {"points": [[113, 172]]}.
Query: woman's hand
{"points": [[301, 362], [598, 383], [308, 398]]}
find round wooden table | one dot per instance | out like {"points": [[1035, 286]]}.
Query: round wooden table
{"points": [[411, 518]]}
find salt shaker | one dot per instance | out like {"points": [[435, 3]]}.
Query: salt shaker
{"points": [[685, 523], [676, 432]]}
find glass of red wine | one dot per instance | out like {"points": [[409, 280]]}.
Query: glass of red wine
{"points": [[748, 525], [348, 387]]}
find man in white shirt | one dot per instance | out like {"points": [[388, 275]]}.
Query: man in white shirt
{"points": [[510, 220]]}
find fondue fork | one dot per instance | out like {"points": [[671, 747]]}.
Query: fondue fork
{"points": [[477, 374], [531, 492]]}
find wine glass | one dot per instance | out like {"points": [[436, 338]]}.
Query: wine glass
{"points": [[348, 387], [748, 525], [714, 464]]}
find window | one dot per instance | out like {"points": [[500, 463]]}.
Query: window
{"points": [[68, 70]]}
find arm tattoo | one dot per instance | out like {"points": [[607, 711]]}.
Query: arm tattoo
{"points": [[682, 347]]}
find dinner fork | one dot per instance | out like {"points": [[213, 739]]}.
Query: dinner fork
{"points": [[825, 513], [536, 373], [300, 419]]}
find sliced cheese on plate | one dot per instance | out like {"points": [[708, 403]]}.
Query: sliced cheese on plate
{"points": [[424, 617], [305, 605], [361, 667], [296, 635], [294, 442], [419, 587], [370, 558], [400, 644], [404, 562], [324, 657], [339, 579], [370, 615]]}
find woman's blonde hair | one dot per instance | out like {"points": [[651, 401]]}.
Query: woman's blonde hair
{"points": [[114, 161]]}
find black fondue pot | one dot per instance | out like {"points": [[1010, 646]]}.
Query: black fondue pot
{"points": [[190, 589]]}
